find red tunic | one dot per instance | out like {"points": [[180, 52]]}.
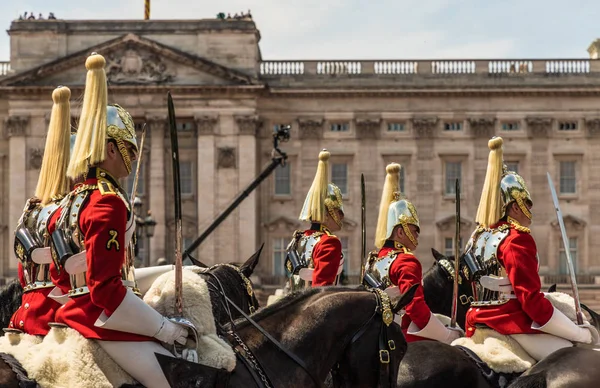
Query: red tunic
{"points": [[102, 221], [327, 254], [404, 272], [518, 255], [36, 310]]}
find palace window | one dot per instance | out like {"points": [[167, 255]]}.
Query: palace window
{"points": [[513, 166], [453, 172], [279, 245], [339, 127], [563, 266], [282, 178], [568, 181], [449, 246], [510, 126], [396, 127], [186, 125], [567, 125], [187, 178], [187, 241], [453, 126], [339, 176]]}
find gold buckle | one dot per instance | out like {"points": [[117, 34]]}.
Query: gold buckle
{"points": [[464, 300], [384, 356], [391, 345]]}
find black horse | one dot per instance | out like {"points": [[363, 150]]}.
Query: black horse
{"points": [[429, 363], [233, 280], [320, 327], [10, 301]]}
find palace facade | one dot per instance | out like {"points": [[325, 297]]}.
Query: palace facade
{"points": [[434, 117]]}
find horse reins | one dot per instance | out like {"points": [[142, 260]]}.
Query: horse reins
{"points": [[252, 358]]}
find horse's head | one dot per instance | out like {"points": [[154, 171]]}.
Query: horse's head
{"points": [[374, 351], [438, 283], [234, 282]]}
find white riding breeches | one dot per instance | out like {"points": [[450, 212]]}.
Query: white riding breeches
{"points": [[138, 359], [540, 346]]}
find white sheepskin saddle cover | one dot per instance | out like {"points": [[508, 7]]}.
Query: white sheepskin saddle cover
{"points": [[502, 353], [65, 359]]}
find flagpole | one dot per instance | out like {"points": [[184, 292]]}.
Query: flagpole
{"points": [[146, 9]]}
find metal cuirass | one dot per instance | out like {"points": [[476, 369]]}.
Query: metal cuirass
{"points": [[31, 236], [299, 256], [482, 250], [377, 270]]}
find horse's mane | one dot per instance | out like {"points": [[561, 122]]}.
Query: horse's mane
{"points": [[288, 300]]}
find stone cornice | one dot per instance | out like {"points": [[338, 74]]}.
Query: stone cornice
{"points": [[571, 222], [449, 222], [311, 128], [482, 127], [538, 126], [15, 126], [424, 127]]}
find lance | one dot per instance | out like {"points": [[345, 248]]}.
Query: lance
{"points": [[565, 239], [177, 203], [131, 247], [456, 258], [363, 232]]}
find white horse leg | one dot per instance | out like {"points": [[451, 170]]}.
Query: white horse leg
{"points": [[138, 359]]}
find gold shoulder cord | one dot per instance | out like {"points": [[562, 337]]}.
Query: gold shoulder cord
{"points": [[517, 226]]}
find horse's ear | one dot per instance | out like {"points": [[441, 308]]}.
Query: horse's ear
{"points": [[437, 255], [405, 298], [552, 288], [248, 267]]}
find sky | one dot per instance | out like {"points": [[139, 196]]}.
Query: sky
{"points": [[381, 29]]}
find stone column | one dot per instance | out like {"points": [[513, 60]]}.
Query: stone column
{"points": [[206, 170], [482, 130], [16, 131], [538, 130], [156, 190], [248, 209], [425, 129]]}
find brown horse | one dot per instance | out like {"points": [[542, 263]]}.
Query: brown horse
{"points": [[301, 337]]}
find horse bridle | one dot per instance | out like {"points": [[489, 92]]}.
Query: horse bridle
{"points": [[448, 268], [253, 303], [383, 308]]}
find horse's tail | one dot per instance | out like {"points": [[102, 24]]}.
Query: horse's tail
{"points": [[536, 380]]}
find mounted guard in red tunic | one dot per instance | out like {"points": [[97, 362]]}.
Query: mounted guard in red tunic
{"points": [[395, 268]]}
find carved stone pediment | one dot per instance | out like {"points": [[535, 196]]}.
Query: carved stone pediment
{"points": [[206, 125], [538, 126], [132, 66], [226, 157], [449, 223], [34, 161], [349, 224], [311, 128], [482, 127], [16, 126], [282, 222], [592, 126], [157, 125], [571, 223], [248, 125], [368, 128], [424, 127]]}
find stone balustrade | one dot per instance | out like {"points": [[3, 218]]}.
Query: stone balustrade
{"points": [[410, 67]]}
